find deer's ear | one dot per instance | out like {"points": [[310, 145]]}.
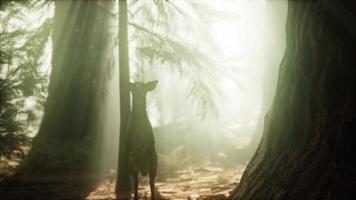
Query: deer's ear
{"points": [[151, 85]]}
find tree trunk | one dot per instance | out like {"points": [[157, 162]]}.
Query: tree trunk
{"points": [[275, 19], [123, 184], [66, 142], [308, 146]]}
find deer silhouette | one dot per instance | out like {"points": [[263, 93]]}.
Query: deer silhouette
{"points": [[141, 142]]}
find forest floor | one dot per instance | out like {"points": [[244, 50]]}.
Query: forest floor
{"points": [[199, 182]]}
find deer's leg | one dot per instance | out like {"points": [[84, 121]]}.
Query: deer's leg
{"points": [[152, 173], [152, 187], [135, 178]]}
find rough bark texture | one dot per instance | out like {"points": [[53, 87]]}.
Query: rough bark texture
{"points": [[308, 147], [66, 142], [63, 161]]}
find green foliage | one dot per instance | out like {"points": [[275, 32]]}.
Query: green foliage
{"points": [[21, 50], [160, 32]]}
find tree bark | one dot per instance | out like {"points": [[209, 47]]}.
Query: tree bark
{"points": [[275, 19], [66, 142], [308, 145], [123, 184]]}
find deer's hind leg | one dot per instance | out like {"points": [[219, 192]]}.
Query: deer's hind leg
{"points": [[152, 174], [135, 179]]}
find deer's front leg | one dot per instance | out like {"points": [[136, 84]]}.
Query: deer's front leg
{"points": [[153, 171], [135, 178], [152, 187]]}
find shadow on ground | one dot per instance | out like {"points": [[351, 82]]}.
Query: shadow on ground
{"points": [[192, 183], [47, 188]]}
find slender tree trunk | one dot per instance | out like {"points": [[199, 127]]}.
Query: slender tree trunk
{"points": [[308, 147], [123, 184], [66, 142]]}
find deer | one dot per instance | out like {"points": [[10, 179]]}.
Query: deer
{"points": [[141, 143]]}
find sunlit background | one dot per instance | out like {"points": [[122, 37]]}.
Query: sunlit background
{"points": [[245, 40], [241, 43]]}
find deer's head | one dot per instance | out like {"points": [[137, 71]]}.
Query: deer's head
{"points": [[140, 89]]}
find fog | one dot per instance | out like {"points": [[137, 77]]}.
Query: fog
{"points": [[245, 41], [212, 94], [216, 63]]}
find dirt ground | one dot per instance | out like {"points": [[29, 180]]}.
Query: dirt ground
{"points": [[199, 182], [193, 183]]}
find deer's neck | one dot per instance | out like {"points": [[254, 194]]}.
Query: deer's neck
{"points": [[139, 107]]}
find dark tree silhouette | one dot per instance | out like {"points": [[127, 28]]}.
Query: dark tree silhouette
{"points": [[123, 183], [66, 142], [65, 151], [308, 146]]}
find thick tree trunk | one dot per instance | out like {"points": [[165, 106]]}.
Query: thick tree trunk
{"points": [[123, 184], [275, 19], [66, 142], [308, 147]]}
